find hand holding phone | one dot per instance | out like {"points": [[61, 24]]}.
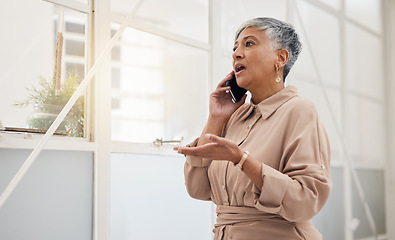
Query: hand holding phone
{"points": [[236, 91]]}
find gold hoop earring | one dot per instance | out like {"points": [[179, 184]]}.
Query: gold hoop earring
{"points": [[278, 79]]}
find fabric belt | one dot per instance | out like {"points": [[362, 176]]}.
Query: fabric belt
{"points": [[228, 215]]}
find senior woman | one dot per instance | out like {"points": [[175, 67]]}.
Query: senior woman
{"points": [[277, 141]]}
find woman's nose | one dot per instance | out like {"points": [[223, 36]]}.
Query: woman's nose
{"points": [[237, 53]]}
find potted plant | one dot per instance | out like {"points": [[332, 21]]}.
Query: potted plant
{"points": [[48, 101]]}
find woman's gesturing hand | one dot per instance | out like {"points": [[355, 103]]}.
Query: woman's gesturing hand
{"points": [[221, 105], [221, 108], [216, 148]]}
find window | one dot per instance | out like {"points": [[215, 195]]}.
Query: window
{"points": [[28, 99], [160, 86]]}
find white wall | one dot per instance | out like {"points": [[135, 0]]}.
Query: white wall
{"points": [[52, 201], [149, 200]]}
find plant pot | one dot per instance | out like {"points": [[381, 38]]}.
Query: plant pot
{"points": [[45, 114]]}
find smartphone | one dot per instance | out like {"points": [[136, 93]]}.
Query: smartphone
{"points": [[236, 91]]}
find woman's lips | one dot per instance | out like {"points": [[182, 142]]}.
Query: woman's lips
{"points": [[238, 72], [239, 68]]}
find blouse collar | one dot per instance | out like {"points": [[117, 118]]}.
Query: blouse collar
{"points": [[270, 105]]}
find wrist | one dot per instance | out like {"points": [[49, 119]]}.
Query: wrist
{"points": [[237, 158], [217, 120], [240, 163]]}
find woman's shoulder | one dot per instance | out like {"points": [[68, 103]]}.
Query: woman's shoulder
{"points": [[298, 106], [299, 102]]}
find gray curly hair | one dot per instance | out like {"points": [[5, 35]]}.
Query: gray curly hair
{"points": [[281, 36]]}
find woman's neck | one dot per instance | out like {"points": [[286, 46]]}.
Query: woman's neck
{"points": [[265, 92]]}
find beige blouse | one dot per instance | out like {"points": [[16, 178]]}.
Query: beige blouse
{"points": [[285, 133]]}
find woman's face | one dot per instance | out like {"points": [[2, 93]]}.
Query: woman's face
{"points": [[254, 62]]}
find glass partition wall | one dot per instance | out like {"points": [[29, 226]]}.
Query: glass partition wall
{"points": [[333, 72], [162, 70]]}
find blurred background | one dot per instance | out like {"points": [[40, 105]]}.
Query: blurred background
{"points": [[111, 173]]}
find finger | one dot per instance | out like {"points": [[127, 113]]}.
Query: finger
{"points": [[223, 82], [221, 142], [176, 148], [180, 150], [200, 151], [222, 89], [216, 139], [242, 100]]}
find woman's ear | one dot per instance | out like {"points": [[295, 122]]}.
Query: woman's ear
{"points": [[282, 57]]}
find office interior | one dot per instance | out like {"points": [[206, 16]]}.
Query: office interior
{"points": [[144, 70]]}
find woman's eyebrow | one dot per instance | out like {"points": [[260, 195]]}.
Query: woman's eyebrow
{"points": [[246, 37]]}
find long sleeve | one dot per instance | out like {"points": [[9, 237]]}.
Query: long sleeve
{"points": [[284, 133], [196, 177], [301, 186]]}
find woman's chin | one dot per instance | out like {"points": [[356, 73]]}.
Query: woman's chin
{"points": [[242, 83]]}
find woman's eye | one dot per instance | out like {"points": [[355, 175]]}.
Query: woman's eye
{"points": [[249, 43], [234, 49]]}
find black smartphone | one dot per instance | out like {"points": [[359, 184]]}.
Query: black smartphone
{"points": [[236, 91]]}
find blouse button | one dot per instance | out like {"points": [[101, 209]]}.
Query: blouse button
{"points": [[223, 187], [249, 126], [322, 166]]}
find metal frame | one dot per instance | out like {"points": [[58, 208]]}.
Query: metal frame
{"points": [[162, 33], [215, 58], [388, 19], [74, 5]]}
